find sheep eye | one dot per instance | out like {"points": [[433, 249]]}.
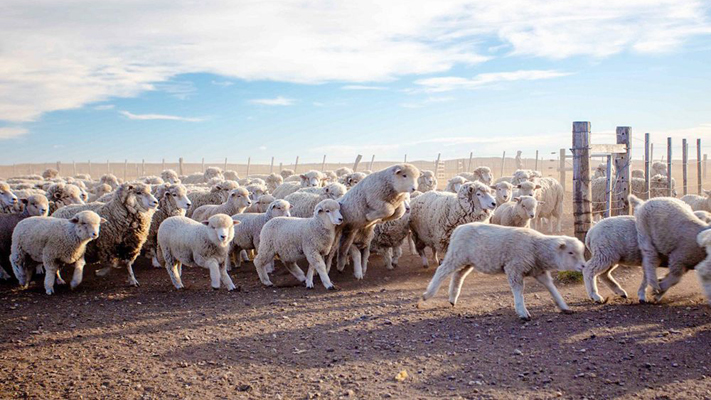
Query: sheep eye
{"points": [[328, 211], [404, 176], [571, 253]]}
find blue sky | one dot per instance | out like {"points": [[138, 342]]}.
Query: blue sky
{"points": [[245, 79]]}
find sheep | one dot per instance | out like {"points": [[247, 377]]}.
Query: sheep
{"points": [[703, 215], [309, 179], [343, 171], [100, 191], [666, 230], [33, 206], [454, 184], [129, 215], [285, 173], [659, 168], [257, 181], [435, 215], [60, 195], [213, 172], [8, 200], [273, 181], [204, 244], [703, 269], [388, 237], [312, 178], [293, 239], [612, 242], [659, 186], [517, 252], [170, 176], [503, 192], [637, 173], [236, 203], [256, 190], [217, 195], [285, 189], [110, 180], [699, 203], [330, 177], [379, 197], [303, 201], [353, 179], [549, 194], [427, 181], [152, 180], [172, 202], [601, 171], [84, 177], [50, 173], [480, 174], [261, 205], [247, 232], [53, 242], [231, 175], [517, 213]]}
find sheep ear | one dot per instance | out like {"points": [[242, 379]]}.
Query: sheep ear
{"points": [[104, 220], [493, 187], [25, 201], [538, 186], [541, 202], [206, 223], [517, 199], [74, 220], [561, 246], [236, 222], [319, 210], [57, 195], [471, 189], [304, 176], [398, 170], [518, 186]]}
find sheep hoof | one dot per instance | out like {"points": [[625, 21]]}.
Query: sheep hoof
{"points": [[50, 291], [452, 303], [601, 300], [567, 311], [623, 295], [526, 318], [133, 282], [215, 288], [333, 287]]}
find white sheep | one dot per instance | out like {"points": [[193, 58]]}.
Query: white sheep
{"points": [[697, 202], [352, 179], [303, 201], [50, 173], [612, 242], [703, 215], [666, 230], [204, 244], [480, 174], [217, 194], [247, 232], [170, 176], [518, 212], [33, 206], [659, 186], [8, 200], [53, 242], [84, 177], [389, 237], [110, 179], [343, 171], [703, 269], [454, 184], [172, 201], [435, 215], [261, 205], [99, 191], [256, 190], [61, 195], [549, 194], [503, 192], [231, 175], [517, 252], [293, 239], [151, 180], [237, 201], [272, 181], [427, 181]]}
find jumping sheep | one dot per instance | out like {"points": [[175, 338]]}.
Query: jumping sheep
{"points": [[204, 244], [435, 215], [517, 252], [34, 206], [172, 202], [53, 242], [237, 201], [518, 212], [427, 181], [293, 239]]}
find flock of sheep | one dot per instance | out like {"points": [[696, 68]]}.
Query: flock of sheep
{"points": [[216, 220]]}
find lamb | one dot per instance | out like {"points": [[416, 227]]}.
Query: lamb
{"points": [[261, 205], [703, 215], [309, 179], [256, 191], [8, 200], [343, 171], [480, 174], [247, 232], [217, 195], [517, 252], [50, 173], [659, 186], [84, 177], [330, 177], [304, 201], [110, 180], [34, 206], [637, 173], [293, 239], [549, 194], [100, 191], [454, 184], [172, 202], [659, 168], [205, 244], [353, 179], [152, 180], [517, 213], [388, 237], [236, 203], [272, 181], [285, 173], [170, 176], [427, 181], [129, 215], [503, 191], [667, 229], [612, 242], [435, 215], [699, 203], [379, 197], [53, 242], [703, 269], [60, 195], [231, 175]]}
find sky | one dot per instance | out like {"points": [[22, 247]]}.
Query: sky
{"points": [[128, 79]]}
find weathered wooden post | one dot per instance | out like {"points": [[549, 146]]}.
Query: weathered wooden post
{"points": [[647, 165], [281, 167], [89, 167], [436, 163], [125, 169], [699, 185], [608, 189], [162, 165], [108, 167], [622, 166], [180, 166], [561, 168], [271, 166], [249, 164], [582, 207], [519, 162], [503, 162], [405, 158], [296, 164], [372, 160], [669, 167], [651, 153], [536, 164], [685, 165], [469, 165], [357, 161], [323, 163], [225, 166], [59, 166], [74, 168], [203, 165]]}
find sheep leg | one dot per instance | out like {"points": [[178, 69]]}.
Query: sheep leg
{"points": [[612, 283], [155, 262], [20, 270], [215, 275], [259, 265], [131, 277], [226, 280], [355, 257], [4, 275], [650, 262], [172, 267], [296, 271], [642, 291], [546, 280], [442, 272], [316, 261], [388, 256], [365, 257], [594, 267], [50, 274], [78, 274], [411, 243], [455, 285], [435, 256], [59, 279], [703, 271], [244, 256], [334, 248], [517, 286], [676, 272], [345, 249]]}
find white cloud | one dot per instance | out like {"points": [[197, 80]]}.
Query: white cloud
{"points": [[146, 117], [180, 89], [363, 87], [447, 83], [262, 148], [64, 55], [11, 133], [429, 100], [104, 107], [222, 83], [277, 101]]}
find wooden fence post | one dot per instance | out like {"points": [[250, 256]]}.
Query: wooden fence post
{"points": [[519, 162], [699, 185], [608, 189], [125, 169], [162, 165], [180, 166], [203, 165], [281, 168], [271, 166], [684, 165], [296, 164], [622, 166], [372, 160], [503, 162], [536, 164], [357, 161], [582, 207], [405, 158], [647, 165], [108, 167], [74, 168], [249, 164], [469, 165], [225, 166], [323, 163], [669, 167], [561, 168]]}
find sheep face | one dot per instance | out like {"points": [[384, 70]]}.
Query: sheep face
{"points": [[528, 204], [256, 192], [87, 224], [279, 208], [240, 198], [7, 198], [36, 205], [477, 192], [66, 195], [334, 191], [264, 202], [311, 179], [140, 194], [503, 190], [220, 229], [485, 174], [569, 254], [179, 196], [354, 178], [426, 178], [405, 178], [329, 211], [527, 188], [456, 183]]}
